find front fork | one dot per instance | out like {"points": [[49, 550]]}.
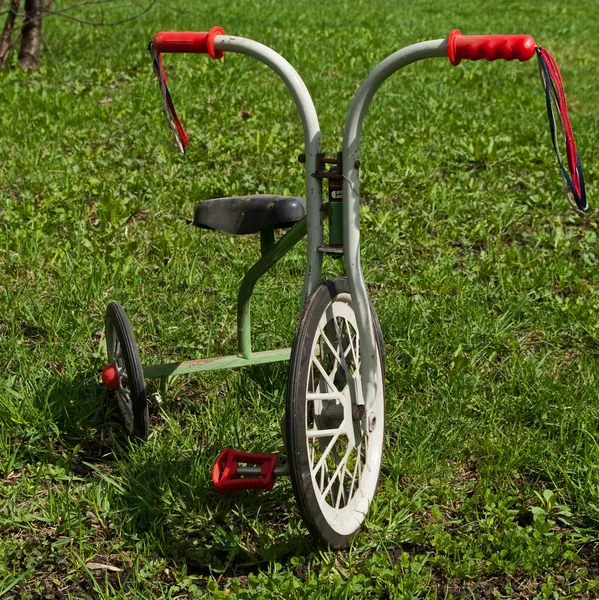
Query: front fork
{"points": [[331, 169]]}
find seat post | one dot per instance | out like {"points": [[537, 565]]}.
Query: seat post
{"points": [[267, 240]]}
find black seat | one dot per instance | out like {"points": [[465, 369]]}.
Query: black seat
{"points": [[250, 214]]}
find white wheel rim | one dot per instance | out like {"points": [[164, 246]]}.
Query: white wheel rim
{"points": [[123, 393], [344, 454]]}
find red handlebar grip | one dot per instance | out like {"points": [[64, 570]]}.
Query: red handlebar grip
{"points": [[189, 42], [489, 47]]}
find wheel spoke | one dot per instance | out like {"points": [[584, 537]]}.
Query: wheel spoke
{"points": [[348, 350], [323, 472], [125, 401], [341, 493], [353, 476], [335, 352], [322, 433], [351, 382], [349, 336], [123, 377], [340, 482], [338, 470], [328, 343], [326, 452], [325, 396], [340, 354], [354, 349], [324, 374], [344, 352], [360, 466]]}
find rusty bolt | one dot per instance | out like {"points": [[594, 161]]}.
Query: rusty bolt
{"points": [[302, 158], [357, 164]]}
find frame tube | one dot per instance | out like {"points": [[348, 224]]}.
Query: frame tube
{"points": [[351, 199], [267, 261], [212, 364], [312, 141]]}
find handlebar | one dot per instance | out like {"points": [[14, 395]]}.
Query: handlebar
{"points": [[189, 42], [489, 47]]}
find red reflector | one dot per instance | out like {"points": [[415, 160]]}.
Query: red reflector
{"points": [[110, 377]]}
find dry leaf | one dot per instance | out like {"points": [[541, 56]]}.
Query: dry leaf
{"points": [[100, 567], [91, 516]]}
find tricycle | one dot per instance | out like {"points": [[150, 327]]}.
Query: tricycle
{"points": [[333, 428]]}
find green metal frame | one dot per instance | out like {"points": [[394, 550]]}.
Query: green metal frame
{"points": [[266, 262], [336, 223], [212, 364], [271, 253]]}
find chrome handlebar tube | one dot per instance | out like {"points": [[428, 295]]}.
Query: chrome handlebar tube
{"points": [[312, 141], [351, 199]]}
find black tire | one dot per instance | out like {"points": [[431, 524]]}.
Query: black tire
{"points": [[122, 350], [335, 523]]}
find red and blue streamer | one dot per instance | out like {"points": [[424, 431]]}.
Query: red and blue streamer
{"points": [[555, 97], [168, 108]]}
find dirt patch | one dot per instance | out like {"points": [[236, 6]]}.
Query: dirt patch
{"points": [[589, 553]]}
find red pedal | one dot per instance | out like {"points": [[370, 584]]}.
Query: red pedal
{"points": [[226, 478]]}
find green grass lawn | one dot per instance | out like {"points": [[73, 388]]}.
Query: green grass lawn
{"points": [[485, 282]]}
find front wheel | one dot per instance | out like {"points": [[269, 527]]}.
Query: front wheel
{"points": [[334, 445]]}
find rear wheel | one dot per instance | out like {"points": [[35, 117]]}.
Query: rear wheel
{"points": [[334, 445], [131, 391]]}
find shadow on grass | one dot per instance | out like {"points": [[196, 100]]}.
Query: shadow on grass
{"points": [[62, 414], [172, 503], [161, 495], [169, 496]]}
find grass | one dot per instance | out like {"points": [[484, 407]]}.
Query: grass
{"points": [[485, 283]]}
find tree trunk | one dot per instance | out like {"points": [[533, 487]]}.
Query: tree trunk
{"points": [[9, 24], [31, 40]]}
